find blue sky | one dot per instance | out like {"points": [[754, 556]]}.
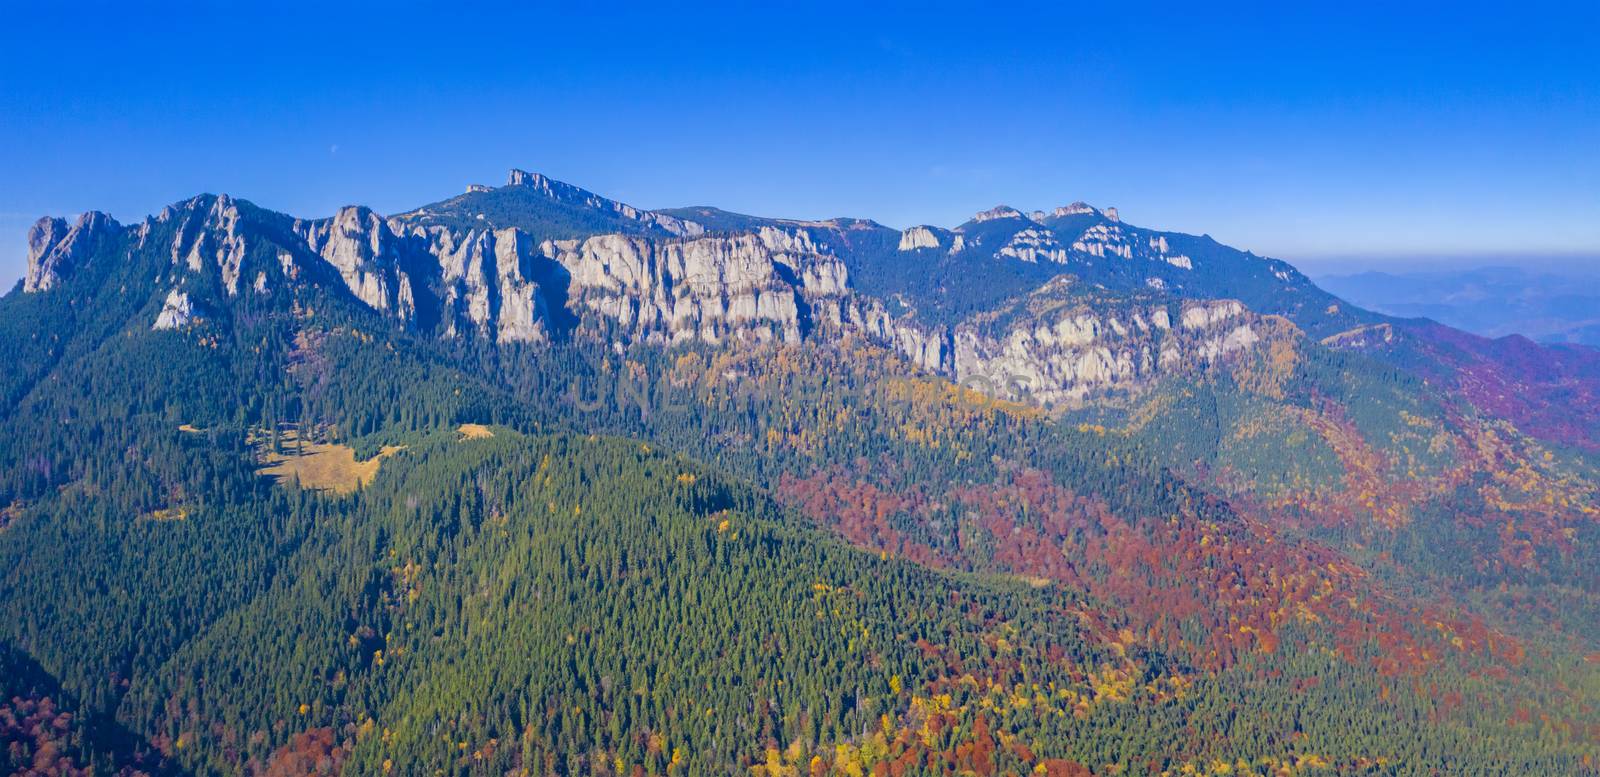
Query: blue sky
{"points": [[1347, 136]]}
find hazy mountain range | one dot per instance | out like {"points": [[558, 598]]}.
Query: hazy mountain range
{"points": [[1492, 301]]}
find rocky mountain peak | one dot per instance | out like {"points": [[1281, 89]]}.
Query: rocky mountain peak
{"points": [[359, 244], [55, 249], [998, 212], [918, 237], [1075, 209], [209, 232], [520, 177]]}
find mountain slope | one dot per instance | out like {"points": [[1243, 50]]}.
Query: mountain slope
{"points": [[1098, 523]]}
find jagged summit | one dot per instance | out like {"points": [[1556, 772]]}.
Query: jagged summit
{"points": [[1081, 208], [998, 212], [54, 248], [920, 237], [1078, 208], [551, 187]]}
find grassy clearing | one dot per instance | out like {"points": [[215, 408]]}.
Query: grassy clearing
{"points": [[322, 466], [474, 431]]}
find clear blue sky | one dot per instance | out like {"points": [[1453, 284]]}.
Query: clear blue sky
{"points": [[1360, 133]]}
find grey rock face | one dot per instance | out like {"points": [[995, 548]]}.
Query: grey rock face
{"points": [[1034, 245], [360, 246], [711, 289], [1074, 351], [1074, 209], [1115, 241], [177, 312], [918, 237], [45, 254], [929, 349], [998, 212], [488, 282], [55, 250], [209, 233]]}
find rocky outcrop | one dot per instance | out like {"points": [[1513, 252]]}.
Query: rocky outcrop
{"points": [[1080, 350], [487, 282], [1209, 314], [917, 238], [1063, 345], [55, 250], [177, 312], [1235, 338], [998, 212], [770, 284], [207, 233], [1361, 337], [45, 257], [359, 245], [1116, 240], [1034, 245], [926, 347], [1104, 240]]}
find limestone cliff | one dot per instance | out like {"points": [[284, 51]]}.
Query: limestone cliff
{"points": [[366, 253], [177, 311], [1060, 345], [770, 284], [486, 282], [1070, 352], [54, 249]]}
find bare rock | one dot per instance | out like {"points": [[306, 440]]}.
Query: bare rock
{"points": [[917, 238], [55, 250], [177, 312]]}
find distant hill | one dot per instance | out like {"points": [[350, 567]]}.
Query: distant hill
{"points": [[1491, 301]]}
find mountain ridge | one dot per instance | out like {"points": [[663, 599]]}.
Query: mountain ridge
{"points": [[614, 271], [664, 278], [1550, 307]]}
